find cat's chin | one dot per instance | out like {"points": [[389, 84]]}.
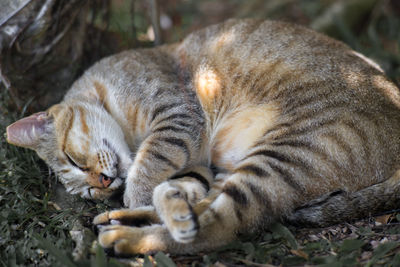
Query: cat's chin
{"points": [[102, 194], [115, 190]]}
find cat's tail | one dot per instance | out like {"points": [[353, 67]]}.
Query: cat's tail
{"points": [[340, 206]]}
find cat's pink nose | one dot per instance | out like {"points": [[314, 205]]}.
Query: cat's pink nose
{"points": [[105, 180]]}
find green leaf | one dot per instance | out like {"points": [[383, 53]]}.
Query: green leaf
{"points": [[115, 263], [314, 246], [324, 260], [248, 248], [163, 260], [381, 251], [396, 260], [101, 259], [293, 260], [351, 245], [285, 233], [364, 231], [147, 262]]}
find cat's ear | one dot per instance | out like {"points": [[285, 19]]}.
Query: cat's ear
{"points": [[26, 132]]}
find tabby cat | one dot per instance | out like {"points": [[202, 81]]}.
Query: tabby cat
{"points": [[297, 127]]}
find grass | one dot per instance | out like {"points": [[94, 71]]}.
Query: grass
{"points": [[36, 217]]}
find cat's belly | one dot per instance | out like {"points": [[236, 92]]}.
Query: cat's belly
{"points": [[239, 131]]}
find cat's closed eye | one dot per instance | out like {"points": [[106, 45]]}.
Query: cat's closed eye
{"points": [[75, 164]]}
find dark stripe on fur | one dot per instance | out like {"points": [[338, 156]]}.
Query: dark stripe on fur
{"points": [[235, 193], [163, 108], [286, 175], [341, 143], [270, 154], [260, 196], [175, 116], [238, 213], [195, 175], [177, 142], [183, 124], [171, 128], [257, 171], [164, 159], [292, 143], [321, 200], [296, 161]]}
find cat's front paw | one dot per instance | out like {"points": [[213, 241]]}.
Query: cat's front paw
{"points": [[176, 213], [137, 217]]}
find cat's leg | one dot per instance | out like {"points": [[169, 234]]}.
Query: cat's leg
{"points": [[342, 206], [173, 143], [247, 201]]}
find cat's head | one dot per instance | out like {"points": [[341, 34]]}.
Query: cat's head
{"points": [[82, 143]]}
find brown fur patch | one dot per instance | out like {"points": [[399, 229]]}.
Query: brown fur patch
{"points": [[102, 94], [133, 115], [85, 128], [63, 119]]}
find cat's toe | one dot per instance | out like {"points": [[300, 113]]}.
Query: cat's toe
{"points": [[102, 218], [181, 221], [174, 208], [182, 217], [184, 231]]}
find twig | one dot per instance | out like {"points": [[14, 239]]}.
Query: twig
{"points": [[45, 8], [4, 80], [133, 27], [14, 13], [50, 203], [251, 263], [7, 85], [155, 21]]}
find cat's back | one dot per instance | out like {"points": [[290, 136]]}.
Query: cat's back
{"points": [[308, 98], [262, 55]]}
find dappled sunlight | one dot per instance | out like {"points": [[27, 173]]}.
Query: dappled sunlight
{"points": [[208, 83], [367, 60], [239, 131], [387, 88], [225, 39]]}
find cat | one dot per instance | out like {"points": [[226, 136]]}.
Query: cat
{"points": [[295, 125]]}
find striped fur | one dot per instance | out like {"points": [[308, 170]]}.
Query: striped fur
{"points": [[286, 115]]}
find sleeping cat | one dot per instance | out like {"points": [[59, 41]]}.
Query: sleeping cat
{"points": [[297, 126]]}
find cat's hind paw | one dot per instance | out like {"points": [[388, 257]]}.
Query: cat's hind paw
{"points": [[137, 217], [125, 240], [177, 214]]}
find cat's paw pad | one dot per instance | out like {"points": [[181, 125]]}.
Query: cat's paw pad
{"points": [[179, 217]]}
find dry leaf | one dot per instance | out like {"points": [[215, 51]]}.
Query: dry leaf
{"points": [[299, 253], [384, 219]]}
